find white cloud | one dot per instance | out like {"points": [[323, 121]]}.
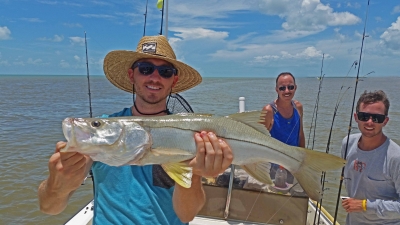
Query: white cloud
{"points": [[48, 2], [101, 3], [199, 33], [340, 36], [307, 15], [56, 38], [211, 9], [308, 53], [32, 20], [396, 9], [353, 5], [34, 62], [77, 58], [72, 25], [77, 40], [391, 37], [101, 16], [4, 63], [64, 64], [5, 33], [59, 2], [19, 63]]}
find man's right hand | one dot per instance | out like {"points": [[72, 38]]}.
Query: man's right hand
{"points": [[67, 170]]}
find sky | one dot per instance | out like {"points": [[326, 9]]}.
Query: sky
{"points": [[219, 38]]}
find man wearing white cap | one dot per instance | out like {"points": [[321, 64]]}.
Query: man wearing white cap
{"points": [[139, 194]]}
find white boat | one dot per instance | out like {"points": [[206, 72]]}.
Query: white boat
{"points": [[236, 206]]}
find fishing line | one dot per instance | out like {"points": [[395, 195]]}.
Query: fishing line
{"points": [[323, 178], [315, 113], [340, 97], [351, 115]]}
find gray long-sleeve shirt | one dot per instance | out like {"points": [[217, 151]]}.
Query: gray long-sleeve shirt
{"points": [[373, 175]]}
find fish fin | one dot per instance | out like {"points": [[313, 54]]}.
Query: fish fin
{"points": [[180, 172], [254, 119], [193, 114], [170, 151], [309, 173], [259, 171]]}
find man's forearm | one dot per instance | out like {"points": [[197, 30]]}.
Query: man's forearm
{"points": [[50, 201], [384, 208], [189, 201]]}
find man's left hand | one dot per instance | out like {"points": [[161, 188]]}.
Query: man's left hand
{"points": [[352, 205]]}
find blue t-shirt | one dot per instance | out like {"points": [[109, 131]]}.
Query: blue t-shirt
{"points": [[132, 194]]}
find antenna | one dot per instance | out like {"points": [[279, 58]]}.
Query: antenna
{"points": [[87, 70]]}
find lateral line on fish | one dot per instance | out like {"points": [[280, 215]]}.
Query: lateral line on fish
{"points": [[241, 140]]}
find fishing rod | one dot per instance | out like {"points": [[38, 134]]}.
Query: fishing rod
{"points": [[339, 99], [351, 115], [145, 19], [87, 71], [162, 17], [315, 113], [90, 105]]}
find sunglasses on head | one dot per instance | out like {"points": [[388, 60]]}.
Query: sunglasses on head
{"points": [[289, 87], [146, 68], [376, 118]]}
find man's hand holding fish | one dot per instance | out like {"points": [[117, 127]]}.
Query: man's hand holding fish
{"points": [[213, 155], [67, 170]]}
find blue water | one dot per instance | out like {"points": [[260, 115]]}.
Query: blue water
{"points": [[32, 108]]}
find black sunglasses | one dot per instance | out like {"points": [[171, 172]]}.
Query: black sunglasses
{"points": [[289, 87], [376, 118], [146, 68]]}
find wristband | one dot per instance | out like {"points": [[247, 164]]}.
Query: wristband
{"points": [[364, 204]]}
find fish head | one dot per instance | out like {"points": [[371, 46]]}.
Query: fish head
{"points": [[110, 140], [91, 131]]}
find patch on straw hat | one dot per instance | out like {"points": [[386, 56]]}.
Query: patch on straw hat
{"points": [[117, 63]]}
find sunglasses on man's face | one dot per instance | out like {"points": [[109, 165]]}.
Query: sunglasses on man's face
{"points": [[289, 87], [376, 118], [146, 68]]}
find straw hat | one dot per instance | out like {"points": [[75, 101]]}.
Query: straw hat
{"points": [[117, 63]]}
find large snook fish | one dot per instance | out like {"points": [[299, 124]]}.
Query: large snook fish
{"points": [[169, 140]]}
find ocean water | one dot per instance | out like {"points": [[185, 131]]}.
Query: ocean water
{"points": [[32, 108]]}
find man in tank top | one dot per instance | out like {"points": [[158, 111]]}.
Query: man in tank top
{"points": [[284, 118]]}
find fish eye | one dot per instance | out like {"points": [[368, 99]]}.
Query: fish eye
{"points": [[96, 123]]}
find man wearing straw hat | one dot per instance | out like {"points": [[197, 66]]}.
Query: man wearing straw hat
{"points": [[139, 194]]}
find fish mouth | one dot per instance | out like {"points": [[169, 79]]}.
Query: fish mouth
{"points": [[74, 132]]}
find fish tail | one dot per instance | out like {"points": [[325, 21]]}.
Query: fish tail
{"points": [[310, 171]]}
